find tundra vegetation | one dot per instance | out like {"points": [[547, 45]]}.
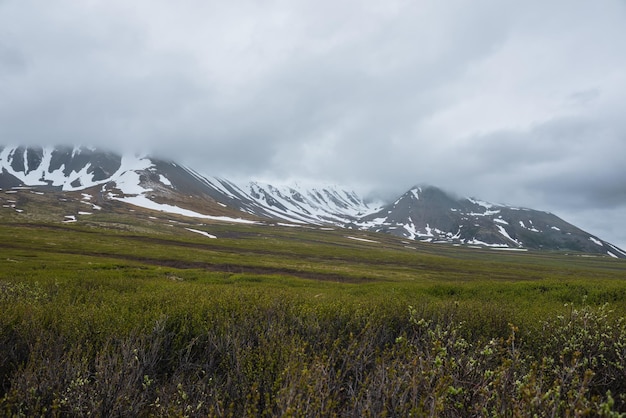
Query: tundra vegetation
{"points": [[137, 316]]}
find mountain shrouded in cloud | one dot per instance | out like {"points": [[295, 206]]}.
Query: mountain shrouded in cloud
{"points": [[517, 103], [102, 180]]}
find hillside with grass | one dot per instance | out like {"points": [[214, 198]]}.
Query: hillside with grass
{"points": [[137, 312]]}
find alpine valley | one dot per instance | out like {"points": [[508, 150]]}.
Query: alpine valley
{"points": [[71, 184]]}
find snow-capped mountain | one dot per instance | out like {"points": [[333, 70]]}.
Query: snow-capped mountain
{"points": [[290, 203], [429, 214], [108, 177], [422, 213]]}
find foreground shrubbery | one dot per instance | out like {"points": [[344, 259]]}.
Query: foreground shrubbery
{"points": [[253, 352]]}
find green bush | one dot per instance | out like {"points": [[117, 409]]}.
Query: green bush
{"points": [[259, 353]]}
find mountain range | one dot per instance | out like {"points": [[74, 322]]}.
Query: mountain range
{"points": [[423, 213]]}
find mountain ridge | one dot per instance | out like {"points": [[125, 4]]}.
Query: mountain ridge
{"points": [[423, 213]]}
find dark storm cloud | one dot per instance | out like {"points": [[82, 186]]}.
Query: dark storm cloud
{"points": [[520, 103]]}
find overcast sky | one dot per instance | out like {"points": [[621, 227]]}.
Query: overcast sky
{"points": [[514, 102]]}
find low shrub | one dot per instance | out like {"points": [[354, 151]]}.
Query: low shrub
{"points": [[263, 355]]}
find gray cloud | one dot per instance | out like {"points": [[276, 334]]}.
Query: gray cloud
{"points": [[519, 103]]}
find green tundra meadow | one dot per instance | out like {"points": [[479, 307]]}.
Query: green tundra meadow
{"points": [[133, 314]]}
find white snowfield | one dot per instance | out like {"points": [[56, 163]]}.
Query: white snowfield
{"points": [[143, 202]]}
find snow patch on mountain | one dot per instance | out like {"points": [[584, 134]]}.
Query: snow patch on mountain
{"points": [[596, 241], [363, 239], [197, 231], [482, 203], [165, 180], [506, 235], [617, 250], [128, 179], [143, 202]]}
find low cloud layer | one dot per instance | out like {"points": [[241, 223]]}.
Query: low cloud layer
{"points": [[516, 103]]}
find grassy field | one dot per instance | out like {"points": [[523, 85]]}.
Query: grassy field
{"points": [[131, 313]]}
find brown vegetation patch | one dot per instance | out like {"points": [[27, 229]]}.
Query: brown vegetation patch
{"points": [[239, 269]]}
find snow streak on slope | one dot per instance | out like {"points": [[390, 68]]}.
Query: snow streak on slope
{"points": [[144, 202]]}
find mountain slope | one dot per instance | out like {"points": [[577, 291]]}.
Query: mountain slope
{"points": [[429, 214], [422, 213], [297, 204], [108, 177]]}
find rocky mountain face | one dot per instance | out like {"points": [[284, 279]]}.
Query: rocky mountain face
{"points": [[429, 214], [294, 204], [68, 168], [422, 213]]}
